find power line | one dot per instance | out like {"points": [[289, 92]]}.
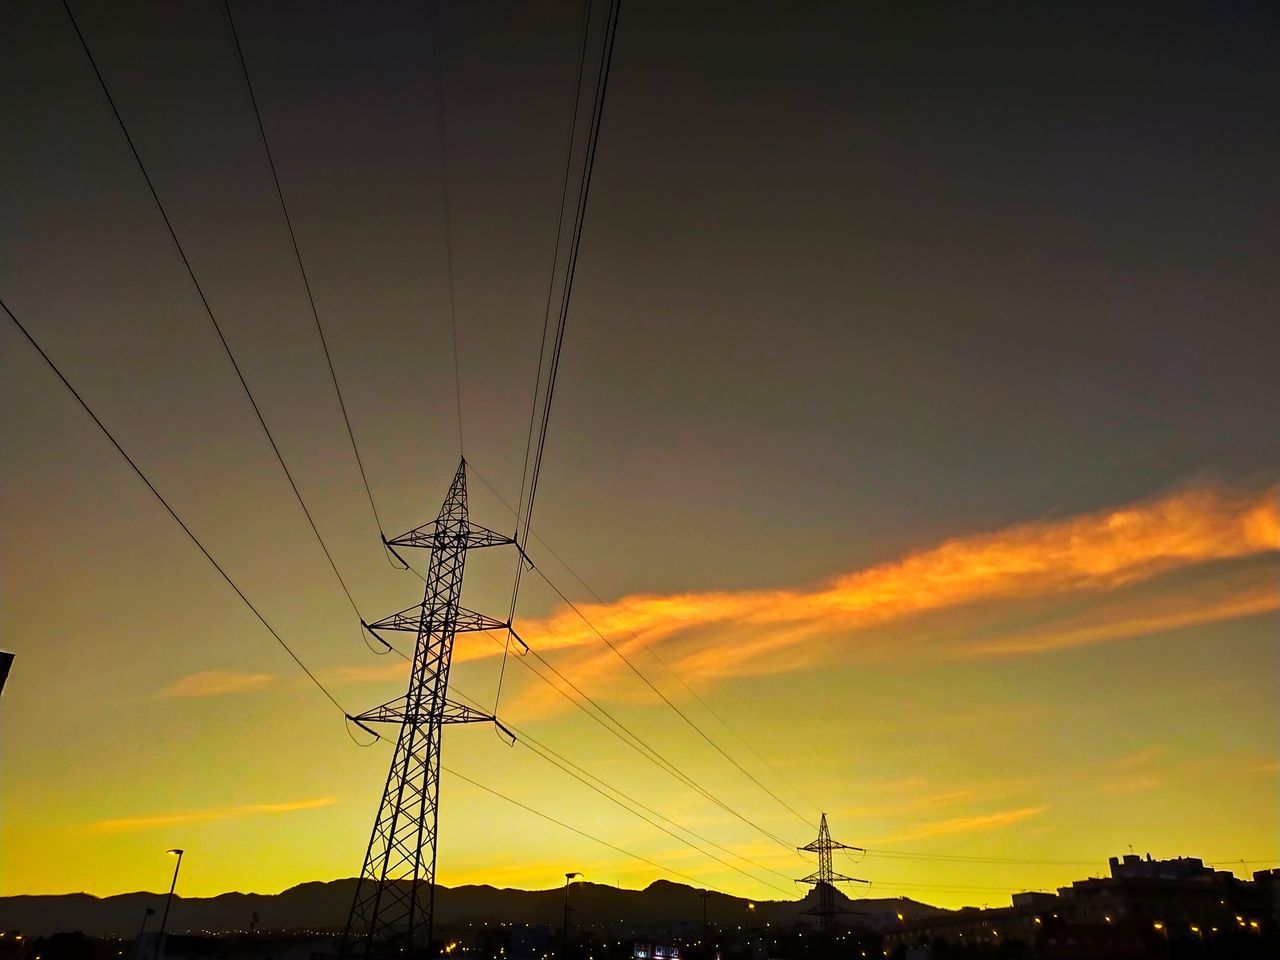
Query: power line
{"points": [[204, 300], [281, 641], [576, 689], [952, 886], [676, 676], [638, 744], [623, 733], [437, 61], [667, 700], [555, 260], [581, 833], [566, 291], [581, 779], [612, 794], [539, 747], [278, 638], [584, 777], [575, 245], [635, 670], [165, 503], [948, 858], [302, 270], [542, 345]]}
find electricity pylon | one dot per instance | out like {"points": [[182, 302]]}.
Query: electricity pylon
{"points": [[825, 878], [391, 912]]}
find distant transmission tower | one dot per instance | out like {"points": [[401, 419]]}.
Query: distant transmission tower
{"points": [[825, 878], [392, 909]]}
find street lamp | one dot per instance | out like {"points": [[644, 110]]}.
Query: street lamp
{"points": [[149, 912], [164, 918], [564, 937]]}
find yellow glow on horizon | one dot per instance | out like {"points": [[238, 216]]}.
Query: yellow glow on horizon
{"points": [[940, 734]]}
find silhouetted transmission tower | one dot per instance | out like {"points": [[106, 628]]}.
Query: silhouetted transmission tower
{"points": [[825, 878], [392, 909]]}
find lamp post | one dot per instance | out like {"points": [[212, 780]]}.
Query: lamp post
{"points": [[164, 918], [149, 912], [564, 936]]}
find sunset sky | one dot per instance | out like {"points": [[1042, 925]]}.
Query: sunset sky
{"points": [[916, 420]]}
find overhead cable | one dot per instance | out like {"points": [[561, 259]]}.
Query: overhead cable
{"points": [[613, 795], [636, 670], [173, 513], [566, 291], [204, 300], [302, 270], [437, 62]]}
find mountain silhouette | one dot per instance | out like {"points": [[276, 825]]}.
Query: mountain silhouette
{"points": [[323, 906]]}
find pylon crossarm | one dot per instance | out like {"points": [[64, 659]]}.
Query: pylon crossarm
{"points": [[817, 877], [841, 878], [423, 536], [396, 711], [409, 620], [461, 713], [469, 620], [393, 711], [430, 535], [481, 536]]}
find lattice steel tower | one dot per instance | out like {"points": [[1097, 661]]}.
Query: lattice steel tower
{"points": [[392, 909], [825, 878]]}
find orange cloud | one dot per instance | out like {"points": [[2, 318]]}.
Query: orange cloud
{"points": [[710, 635], [1170, 611], [213, 683], [215, 813], [713, 634]]}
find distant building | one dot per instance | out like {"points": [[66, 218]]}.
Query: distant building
{"points": [[1268, 882], [1174, 894], [973, 926], [1135, 912]]}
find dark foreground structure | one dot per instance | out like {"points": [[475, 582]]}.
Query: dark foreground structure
{"points": [[1145, 908]]}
